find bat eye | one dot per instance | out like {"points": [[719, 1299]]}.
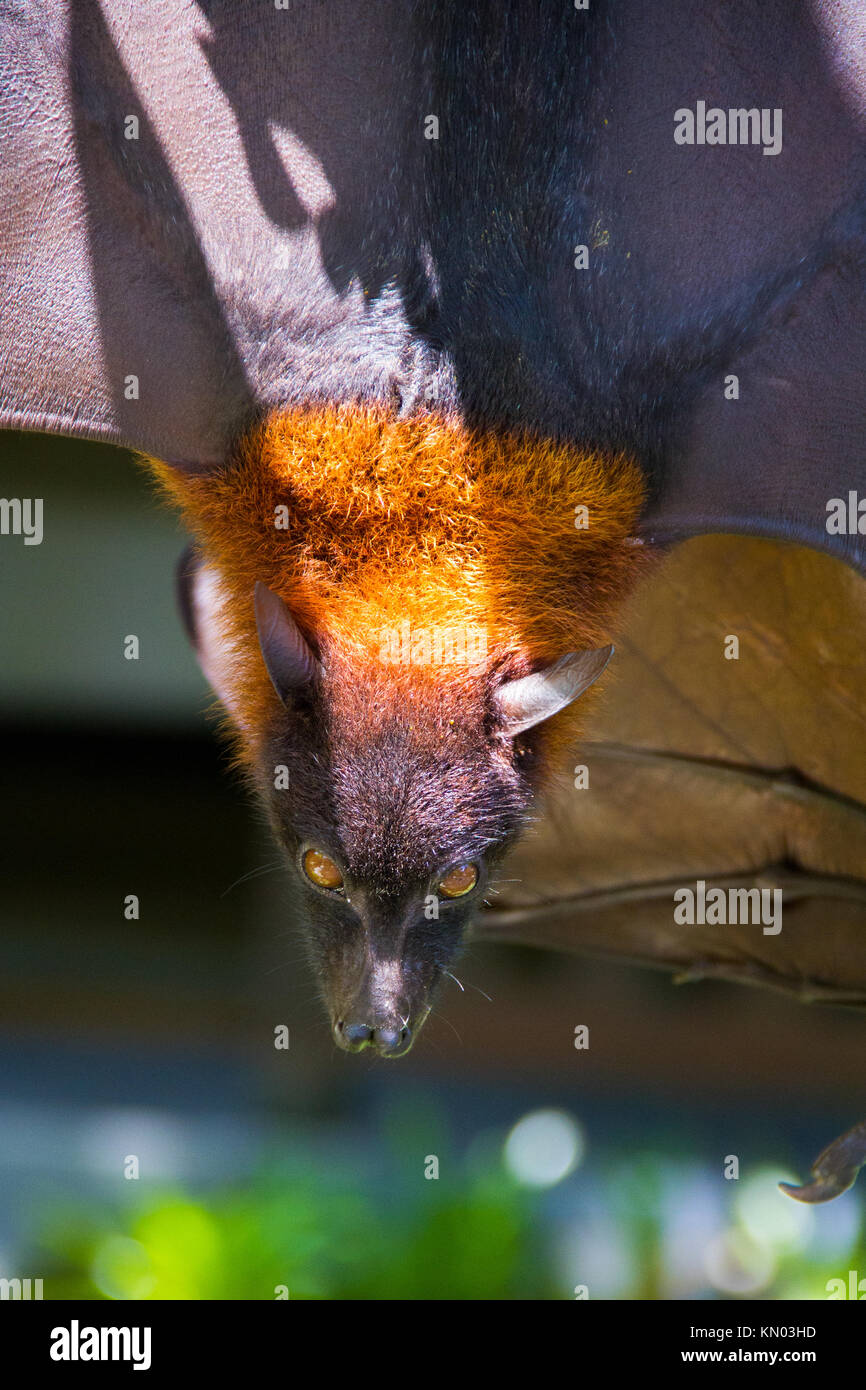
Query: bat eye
{"points": [[459, 881], [322, 870]]}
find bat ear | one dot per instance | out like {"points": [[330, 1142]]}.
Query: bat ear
{"points": [[291, 664], [528, 701], [201, 598]]}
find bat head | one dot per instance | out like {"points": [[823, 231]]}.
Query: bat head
{"points": [[396, 791], [396, 788], [394, 613]]}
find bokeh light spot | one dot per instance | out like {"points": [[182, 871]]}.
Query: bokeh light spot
{"points": [[544, 1147]]}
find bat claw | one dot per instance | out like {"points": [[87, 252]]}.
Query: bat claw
{"points": [[834, 1170]]}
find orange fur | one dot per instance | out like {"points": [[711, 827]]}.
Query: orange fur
{"points": [[417, 520]]}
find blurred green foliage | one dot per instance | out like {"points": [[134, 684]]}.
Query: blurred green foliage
{"points": [[317, 1238], [356, 1220]]}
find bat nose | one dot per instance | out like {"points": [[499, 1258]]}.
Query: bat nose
{"points": [[389, 1040]]}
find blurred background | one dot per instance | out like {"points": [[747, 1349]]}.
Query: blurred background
{"points": [[154, 1142]]}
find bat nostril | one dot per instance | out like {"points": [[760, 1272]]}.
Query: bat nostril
{"points": [[392, 1042], [352, 1036]]}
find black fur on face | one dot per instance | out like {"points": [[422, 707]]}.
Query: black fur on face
{"points": [[396, 792]]}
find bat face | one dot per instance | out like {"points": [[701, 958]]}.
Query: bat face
{"points": [[393, 822], [395, 795]]}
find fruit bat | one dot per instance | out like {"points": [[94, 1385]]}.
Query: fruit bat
{"points": [[441, 325]]}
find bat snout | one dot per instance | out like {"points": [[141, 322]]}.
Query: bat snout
{"points": [[379, 1010]]}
